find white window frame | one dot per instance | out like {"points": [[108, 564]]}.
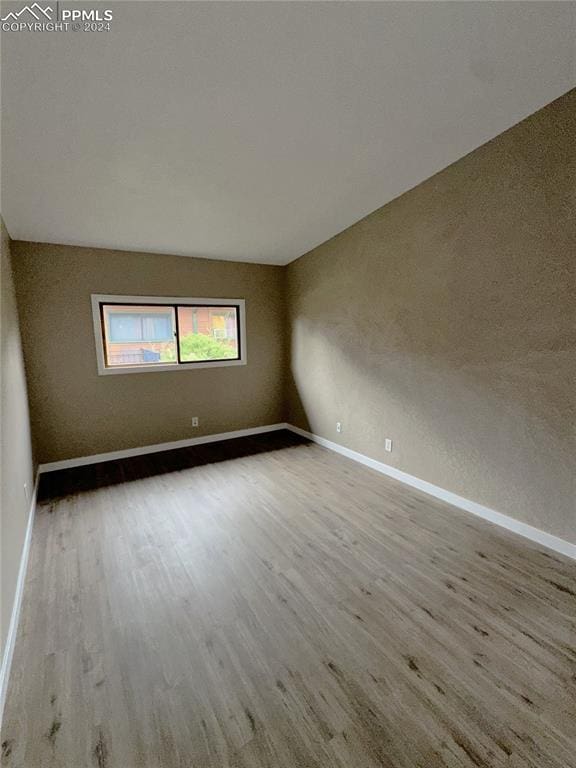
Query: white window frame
{"points": [[106, 298]]}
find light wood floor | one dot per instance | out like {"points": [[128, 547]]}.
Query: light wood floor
{"points": [[265, 602]]}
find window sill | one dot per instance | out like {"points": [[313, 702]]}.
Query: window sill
{"points": [[168, 367]]}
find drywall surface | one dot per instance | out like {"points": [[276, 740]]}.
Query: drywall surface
{"points": [[446, 321], [16, 462], [75, 412]]}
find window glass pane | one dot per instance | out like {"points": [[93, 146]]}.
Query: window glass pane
{"points": [[124, 327], [208, 333], [135, 335]]}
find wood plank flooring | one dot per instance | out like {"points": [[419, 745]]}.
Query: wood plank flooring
{"points": [[265, 602]]}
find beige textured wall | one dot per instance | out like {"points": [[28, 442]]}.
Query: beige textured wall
{"points": [[446, 320], [16, 462], [75, 412]]}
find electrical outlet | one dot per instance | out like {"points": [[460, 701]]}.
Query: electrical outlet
{"points": [[338, 426], [195, 421], [388, 445]]}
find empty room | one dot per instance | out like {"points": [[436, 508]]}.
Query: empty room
{"points": [[288, 384]]}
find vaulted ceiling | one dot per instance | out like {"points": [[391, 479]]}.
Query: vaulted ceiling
{"points": [[255, 131]]}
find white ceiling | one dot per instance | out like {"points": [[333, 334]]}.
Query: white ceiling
{"points": [[255, 131]]}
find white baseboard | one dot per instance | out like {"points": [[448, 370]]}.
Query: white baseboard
{"points": [[523, 529], [516, 526], [13, 628], [98, 458]]}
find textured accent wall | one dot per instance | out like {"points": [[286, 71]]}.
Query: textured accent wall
{"points": [[16, 462], [76, 412], [446, 320]]}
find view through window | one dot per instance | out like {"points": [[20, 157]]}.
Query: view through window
{"points": [[207, 333], [138, 335]]}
